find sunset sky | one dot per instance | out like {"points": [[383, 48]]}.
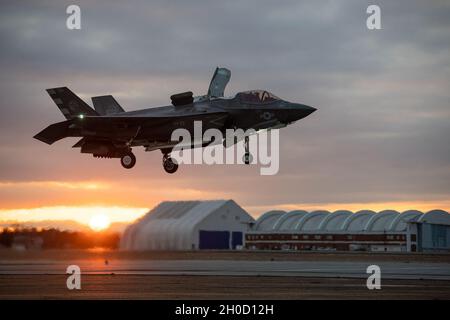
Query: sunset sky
{"points": [[379, 140]]}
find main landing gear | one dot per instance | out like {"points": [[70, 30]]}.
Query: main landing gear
{"points": [[169, 164], [128, 160]]}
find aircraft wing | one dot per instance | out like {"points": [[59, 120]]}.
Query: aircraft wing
{"points": [[124, 128], [216, 118]]}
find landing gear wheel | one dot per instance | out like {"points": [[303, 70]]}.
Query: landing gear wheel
{"points": [[247, 158], [169, 164], [128, 160]]}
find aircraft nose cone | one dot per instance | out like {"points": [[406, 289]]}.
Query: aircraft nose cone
{"points": [[309, 109], [304, 108], [298, 111]]}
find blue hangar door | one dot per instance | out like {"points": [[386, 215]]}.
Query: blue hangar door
{"points": [[214, 239], [236, 239]]}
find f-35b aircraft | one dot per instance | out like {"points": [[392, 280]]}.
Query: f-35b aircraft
{"points": [[110, 132]]}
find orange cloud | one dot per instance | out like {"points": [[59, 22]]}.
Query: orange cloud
{"points": [[82, 214], [83, 185], [140, 193]]}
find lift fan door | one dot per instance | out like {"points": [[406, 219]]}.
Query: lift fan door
{"points": [[218, 83]]}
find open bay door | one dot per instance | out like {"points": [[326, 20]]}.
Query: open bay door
{"points": [[218, 83], [106, 105]]}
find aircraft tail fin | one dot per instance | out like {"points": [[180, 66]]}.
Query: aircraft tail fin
{"points": [[70, 104], [106, 105]]}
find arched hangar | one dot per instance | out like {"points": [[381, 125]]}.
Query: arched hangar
{"points": [[387, 230], [189, 225]]}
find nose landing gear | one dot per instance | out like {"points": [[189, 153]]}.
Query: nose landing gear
{"points": [[247, 158]]}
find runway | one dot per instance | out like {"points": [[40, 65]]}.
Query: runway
{"points": [[316, 269], [221, 275]]}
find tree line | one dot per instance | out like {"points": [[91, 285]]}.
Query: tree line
{"points": [[57, 239]]}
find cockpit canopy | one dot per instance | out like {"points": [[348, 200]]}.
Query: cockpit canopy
{"points": [[257, 96]]}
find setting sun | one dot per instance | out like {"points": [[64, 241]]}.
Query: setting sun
{"points": [[99, 222]]}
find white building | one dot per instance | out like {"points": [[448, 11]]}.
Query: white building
{"points": [[189, 225]]}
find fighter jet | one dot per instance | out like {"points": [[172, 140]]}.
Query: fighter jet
{"points": [[110, 132]]}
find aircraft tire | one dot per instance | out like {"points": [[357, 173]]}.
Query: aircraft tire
{"points": [[170, 166], [128, 160], [247, 158]]}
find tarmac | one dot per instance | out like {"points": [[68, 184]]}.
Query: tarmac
{"points": [[318, 269], [222, 275]]}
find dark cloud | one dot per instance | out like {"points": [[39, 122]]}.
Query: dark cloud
{"points": [[380, 133]]}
